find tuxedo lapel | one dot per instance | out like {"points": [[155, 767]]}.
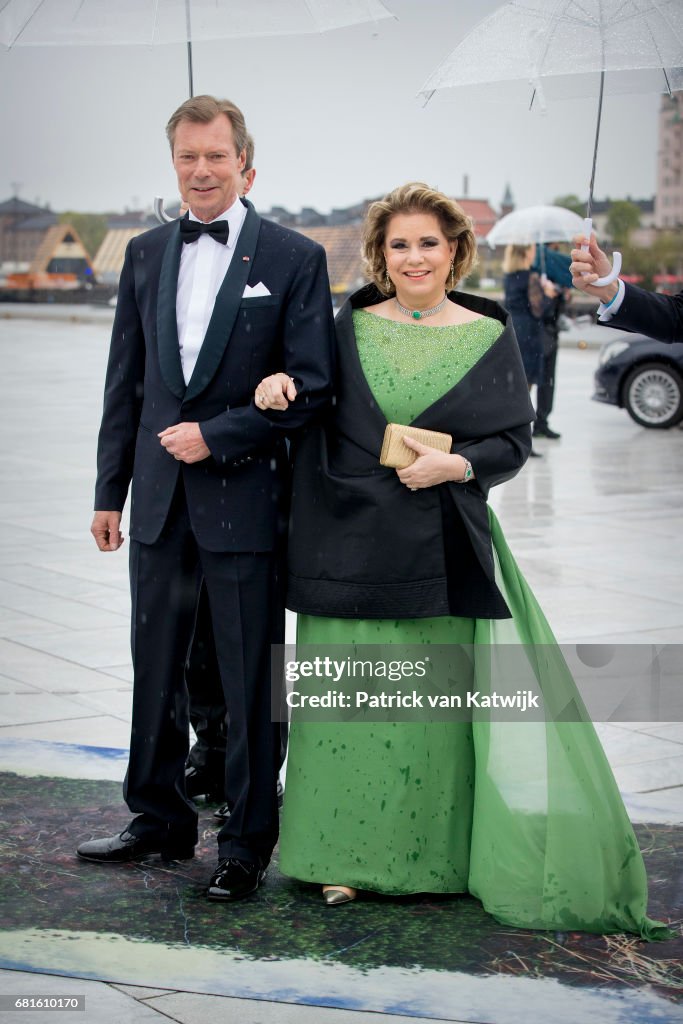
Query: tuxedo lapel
{"points": [[167, 324], [226, 306]]}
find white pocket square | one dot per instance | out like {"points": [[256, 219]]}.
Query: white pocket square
{"points": [[258, 289]]}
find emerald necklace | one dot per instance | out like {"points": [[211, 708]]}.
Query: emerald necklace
{"points": [[418, 314]]}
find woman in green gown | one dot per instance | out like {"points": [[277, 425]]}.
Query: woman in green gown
{"points": [[524, 815]]}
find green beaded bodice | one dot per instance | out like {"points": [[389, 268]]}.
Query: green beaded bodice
{"points": [[408, 366]]}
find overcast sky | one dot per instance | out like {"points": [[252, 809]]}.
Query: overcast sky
{"points": [[336, 119]]}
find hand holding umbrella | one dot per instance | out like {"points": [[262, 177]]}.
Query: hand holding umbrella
{"points": [[589, 268], [565, 38]]}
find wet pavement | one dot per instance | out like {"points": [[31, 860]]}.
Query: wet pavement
{"points": [[596, 525]]}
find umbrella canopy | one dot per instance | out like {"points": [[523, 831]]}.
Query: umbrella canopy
{"points": [[149, 22], [565, 38], [568, 37], [536, 224]]}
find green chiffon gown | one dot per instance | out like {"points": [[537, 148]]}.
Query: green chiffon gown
{"points": [[525, 816]]}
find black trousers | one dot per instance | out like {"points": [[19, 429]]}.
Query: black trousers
{"points": [[244, 595], [545, 392], [208, 713]]}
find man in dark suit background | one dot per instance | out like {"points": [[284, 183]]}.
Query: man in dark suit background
{"points": [[625, 305], [207, 307]]}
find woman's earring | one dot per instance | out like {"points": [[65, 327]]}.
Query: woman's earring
{"points": [[387, 280], [452, 276]]}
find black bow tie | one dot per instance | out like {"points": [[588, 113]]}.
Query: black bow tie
{"points": [[190, 230]]}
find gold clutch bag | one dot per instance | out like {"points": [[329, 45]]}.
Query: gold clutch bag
{"points": [[397, 455]]}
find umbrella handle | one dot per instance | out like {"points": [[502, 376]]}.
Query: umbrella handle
{"points": [[159, 211], [616, 266]]}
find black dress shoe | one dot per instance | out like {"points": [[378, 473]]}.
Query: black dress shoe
{"points": [[533, 454], [125, 847], [200, 783], [552, 435], [234, 879]]}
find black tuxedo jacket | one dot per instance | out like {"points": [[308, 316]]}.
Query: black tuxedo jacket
{"points": [[233, 496], [643, 312]]}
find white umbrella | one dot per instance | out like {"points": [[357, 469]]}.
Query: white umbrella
{"points": [[534, 40], [150, 22], [535, 224], [153, 22]]}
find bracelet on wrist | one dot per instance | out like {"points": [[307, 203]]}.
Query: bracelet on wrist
{"points": [[469, 472]]}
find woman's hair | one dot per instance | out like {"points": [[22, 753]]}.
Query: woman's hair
{"points": [[204, 110], [416, 197], [516, 258]]}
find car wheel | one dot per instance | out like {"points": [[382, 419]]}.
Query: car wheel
{"points": [[653, 395]]}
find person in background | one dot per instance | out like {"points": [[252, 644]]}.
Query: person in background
{"points": [[555, 266], [626, 306], [526, 300]]}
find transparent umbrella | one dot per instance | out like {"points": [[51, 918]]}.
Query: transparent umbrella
{"points": [[535, 224], [538, 225], [150, 22], [536, 40], [153, 22]]}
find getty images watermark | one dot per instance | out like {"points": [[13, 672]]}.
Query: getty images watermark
{"points": [[465, 682]]}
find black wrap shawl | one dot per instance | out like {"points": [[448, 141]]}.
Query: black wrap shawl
{"points": [[362, 545]]}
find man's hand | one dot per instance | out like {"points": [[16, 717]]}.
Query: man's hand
{"points": [[587, 267], [106, 530], [184, 442]]}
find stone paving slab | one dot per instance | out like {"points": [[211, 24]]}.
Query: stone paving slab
{"points": [[103, 1003]]}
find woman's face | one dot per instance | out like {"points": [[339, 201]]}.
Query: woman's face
{"points": [[418, 256]]}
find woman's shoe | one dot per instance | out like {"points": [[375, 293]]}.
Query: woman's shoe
{"points": [[334, 894]]}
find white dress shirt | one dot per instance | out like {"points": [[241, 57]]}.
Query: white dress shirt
{"points": [[606, 310], [203, 265]]}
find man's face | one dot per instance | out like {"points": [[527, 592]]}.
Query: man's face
{"points": [[208, 166]]}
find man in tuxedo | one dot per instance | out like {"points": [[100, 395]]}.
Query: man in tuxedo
{"points": [[207, 307], [205, 766], [625, 305]]}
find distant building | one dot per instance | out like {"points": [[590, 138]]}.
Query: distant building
{"points": [[22, 229], [109, 257], [341, 243], [121, 228], [482, 214], [61, 262], [669, 202], [642, 236], [339, 232], [63, 254], [507, 204]]}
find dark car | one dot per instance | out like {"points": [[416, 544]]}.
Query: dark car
{"points": [[643, 376]]}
